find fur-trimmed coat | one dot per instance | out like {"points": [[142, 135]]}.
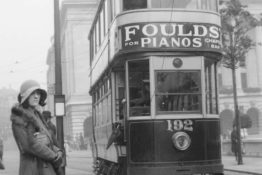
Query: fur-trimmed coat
{"points": [[36, 157]]}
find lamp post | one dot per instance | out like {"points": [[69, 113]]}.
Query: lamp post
{"points": [[232, 24], [59, 99]]}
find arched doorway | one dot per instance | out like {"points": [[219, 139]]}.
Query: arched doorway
{"points": [[253, 114], [226, 122]]}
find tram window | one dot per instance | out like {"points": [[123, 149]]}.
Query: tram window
{"points": [[91, 53], [117, 7], [109, 110], [163, 3], [109, 84], [178, 91], [211, 87], [94, 115], [121, 91], [97, 95], [134, 4], [139, 88], [111, 11], [94, 98], [120, 94], [102, 25], [97, 115], [104, 111], [100, 112], [106, 15], [101, 91], [209, 5], [186, 4]]}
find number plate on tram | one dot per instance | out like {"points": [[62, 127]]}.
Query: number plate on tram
{"points": [[179, 125]]}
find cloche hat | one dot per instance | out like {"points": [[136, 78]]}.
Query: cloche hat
{"points": [[26, 90]]}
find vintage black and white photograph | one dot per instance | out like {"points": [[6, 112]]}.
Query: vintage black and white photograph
{"points": [[131, 87]]}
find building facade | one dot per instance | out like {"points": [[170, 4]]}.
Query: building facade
{"points": [[8, 97], [76, 18], [248, 80]]}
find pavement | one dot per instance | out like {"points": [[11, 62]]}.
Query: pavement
{"points": [[80, 163], [251, 165]]}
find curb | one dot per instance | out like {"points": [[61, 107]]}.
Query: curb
{"points": [[241, 171]]}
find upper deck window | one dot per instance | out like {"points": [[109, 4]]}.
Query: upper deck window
{"points": [[186, 4], [134, 4], [211, 5], [163, 3]]}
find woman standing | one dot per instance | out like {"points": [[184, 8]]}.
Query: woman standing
{"points": [[38, 155]]}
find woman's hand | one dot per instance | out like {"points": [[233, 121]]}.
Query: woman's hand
{"points": [[58, 159]]}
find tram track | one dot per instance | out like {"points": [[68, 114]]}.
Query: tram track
{"points": [[236, 172]]}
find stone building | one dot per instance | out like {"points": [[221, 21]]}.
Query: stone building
{"points": [[248, 79], [76, 18]]}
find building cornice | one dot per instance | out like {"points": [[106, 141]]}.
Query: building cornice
{"points": [[69, 4]]}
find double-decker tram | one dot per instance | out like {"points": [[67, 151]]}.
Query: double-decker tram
{"points": [[154, 87]]}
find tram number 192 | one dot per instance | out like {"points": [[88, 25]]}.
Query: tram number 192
{"points": [[178, 125]]}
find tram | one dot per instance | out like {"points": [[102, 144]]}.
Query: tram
{"points": [[153, 71]]}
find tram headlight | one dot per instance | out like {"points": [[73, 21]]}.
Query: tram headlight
{"points": [[181, 140]]}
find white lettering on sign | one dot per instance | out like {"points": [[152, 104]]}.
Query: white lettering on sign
{"points": [[163, 42], [214, 32], [178, 125], [130, 30], [174, 35], [173, 29], [181, 31], [152, 32], [168, 31]]}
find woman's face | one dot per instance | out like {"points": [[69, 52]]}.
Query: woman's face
{"points": [[34, 99]]}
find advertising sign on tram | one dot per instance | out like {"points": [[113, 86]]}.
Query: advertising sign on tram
{"points": [[175, 36]]}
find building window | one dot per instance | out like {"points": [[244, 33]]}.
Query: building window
{"points": [[242, 63], [244, 80], [220, 80]]}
